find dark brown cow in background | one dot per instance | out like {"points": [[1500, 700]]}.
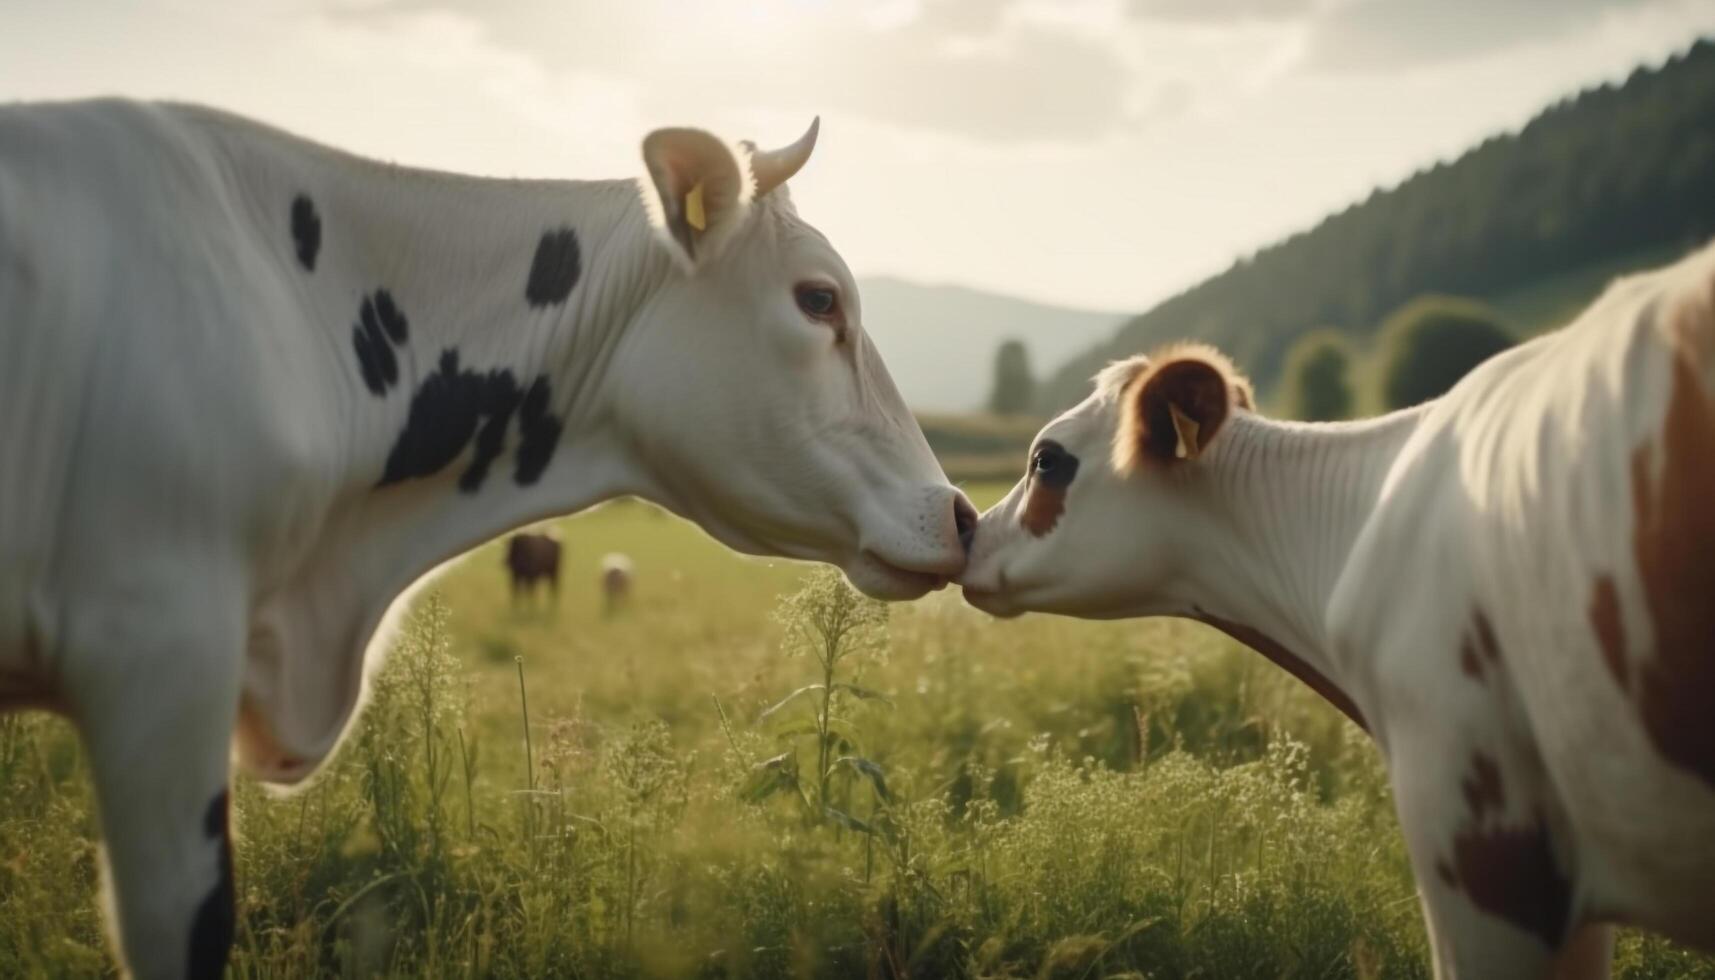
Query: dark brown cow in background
{"points": [[531, 557]]}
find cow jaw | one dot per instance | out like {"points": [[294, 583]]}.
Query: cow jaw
{"points": [[877, 579], [896, 541]]}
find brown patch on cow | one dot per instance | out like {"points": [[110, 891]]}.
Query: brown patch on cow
{"points": [[1674, 536], [1468, 661], [1483, 790], [1610, 632], [1486, 642], [1479, 646], [1288, 661], [1042, 508], [1507, 871], [1510, 872]]}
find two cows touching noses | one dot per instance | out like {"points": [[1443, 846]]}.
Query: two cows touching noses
{"points": [[429, 361]]}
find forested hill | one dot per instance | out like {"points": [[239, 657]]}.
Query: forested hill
{"points": [[1612, 171]]}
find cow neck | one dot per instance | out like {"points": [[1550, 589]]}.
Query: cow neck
{"points": [[494, 414], [1289, 500], [480, 272]]}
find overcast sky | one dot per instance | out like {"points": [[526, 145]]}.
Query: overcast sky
{"points": [[1096, 153]]}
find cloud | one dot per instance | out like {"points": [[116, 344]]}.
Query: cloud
{"points": [[965, 67], [1222, 11], [1385, 35], [962, 17], [1020, 85], [1389, 35]]}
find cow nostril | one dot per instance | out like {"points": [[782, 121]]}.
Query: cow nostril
{"points": [[965, 520]]}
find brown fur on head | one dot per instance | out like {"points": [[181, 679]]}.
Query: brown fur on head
{"points": [[1174, 403]]}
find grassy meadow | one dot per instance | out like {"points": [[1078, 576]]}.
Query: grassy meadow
{"points": [[665, 792]]}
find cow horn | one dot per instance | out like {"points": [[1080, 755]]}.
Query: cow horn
{"points": [[771, 168]]}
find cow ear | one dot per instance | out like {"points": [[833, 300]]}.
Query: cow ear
{"points": [[699, 191], [1173, 409]]}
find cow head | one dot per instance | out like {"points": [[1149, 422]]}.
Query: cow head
{"points": [[1112, 499], [756, 402]]}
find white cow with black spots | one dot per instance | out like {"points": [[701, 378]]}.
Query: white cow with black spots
{"points": [[1511, 587], [252, 388]]}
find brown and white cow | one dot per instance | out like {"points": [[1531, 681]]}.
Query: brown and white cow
{"points": [[1512, 588]]}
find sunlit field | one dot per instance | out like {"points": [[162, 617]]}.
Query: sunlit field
{"points": [[543, 790]]}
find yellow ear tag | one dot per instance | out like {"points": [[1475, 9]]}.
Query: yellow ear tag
{"points": [[694, 215], [1186, 427]]}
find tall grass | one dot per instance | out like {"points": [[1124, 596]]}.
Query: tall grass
{"points": [[533, 795]]}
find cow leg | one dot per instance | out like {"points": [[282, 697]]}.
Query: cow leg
{"points": [[1484, 910], [1465, 942], [157, 722]]}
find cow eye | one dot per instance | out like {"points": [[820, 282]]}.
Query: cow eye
{"points": [[1052, 465], [1044, 460], [818, 302]]}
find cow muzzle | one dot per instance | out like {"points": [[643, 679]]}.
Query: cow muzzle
{"points": [[920, 550]]}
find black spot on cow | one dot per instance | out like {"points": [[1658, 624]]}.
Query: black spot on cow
{"points": [[306, 231], [540, 433], [212, 929], [392, 321], [380, 327], [456, 407], [555, 269]]}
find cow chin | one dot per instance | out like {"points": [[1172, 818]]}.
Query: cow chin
{"points": [[997, 604], [879, 580], [1010, 599], [996, 588]]}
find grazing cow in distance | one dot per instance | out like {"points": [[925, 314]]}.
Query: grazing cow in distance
{"points": [[616, 576], [532, 557], [253, 388], [1509, 587]]}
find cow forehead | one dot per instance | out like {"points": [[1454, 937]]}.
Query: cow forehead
{"points": [[775, 213], [801, 241], [1078, 426], [777, 243]]}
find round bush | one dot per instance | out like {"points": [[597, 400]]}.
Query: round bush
{"points": [[1432, 342], [1318, 378]]}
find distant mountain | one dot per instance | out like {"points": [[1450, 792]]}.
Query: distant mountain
{"points": [[1593, 182], [939, 341]]}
